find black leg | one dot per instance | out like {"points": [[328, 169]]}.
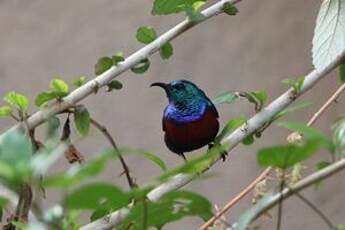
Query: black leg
{"points": [[183, 156], [223, 153]]}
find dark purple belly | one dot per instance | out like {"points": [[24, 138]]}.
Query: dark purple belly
{"points": [[181, 138]]}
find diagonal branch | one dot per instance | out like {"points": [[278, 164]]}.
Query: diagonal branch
{"points": [[232, 140], [102, 80]]}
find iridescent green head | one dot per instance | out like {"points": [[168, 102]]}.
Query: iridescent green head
{"points": [[182, 91]]}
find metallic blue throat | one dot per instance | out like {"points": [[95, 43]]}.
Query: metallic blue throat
{"points": [[186, 113]]}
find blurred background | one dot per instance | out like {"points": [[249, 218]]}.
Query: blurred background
{"points": [[265, 43]]}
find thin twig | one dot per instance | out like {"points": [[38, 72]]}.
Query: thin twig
{"points": [[236, 199], [280, 203], [323, 108], [105, 132], [316, 210]]}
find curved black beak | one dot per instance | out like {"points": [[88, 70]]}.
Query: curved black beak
{"points": [[160, 84]]}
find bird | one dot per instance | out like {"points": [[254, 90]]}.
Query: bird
{"points": [[190, 120]]}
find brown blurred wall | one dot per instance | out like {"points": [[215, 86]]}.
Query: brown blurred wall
{"points": [[267, 42]]}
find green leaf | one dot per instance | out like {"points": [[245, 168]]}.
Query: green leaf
{"points": [[322, 164], [249, 140], [155, 159], [163, 7], [295, 84], [198, 164], [114, 84], [171, 207], [194, 15], [141, 67], [166, 51], [339, 133], [230, 9], [117, 58], [78, 173], [5, 111], [17, 100], [44, 97], [52, 127], [197, 5], [285, 156], [309, 133], [248, 216], [329, 35], [261, 96], [15, 153], [228, 97], [79, 82], [102, 65], [342, 72], [96, 194], [340, 227], [292, 109], [60, 87], [82, 120], [146, 34]]}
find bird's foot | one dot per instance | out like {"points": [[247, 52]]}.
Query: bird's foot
{"points": [[223, 154]]}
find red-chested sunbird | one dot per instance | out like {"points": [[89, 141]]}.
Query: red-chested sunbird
{"points": [[190, 120]]}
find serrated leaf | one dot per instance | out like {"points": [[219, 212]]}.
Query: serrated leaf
{"points": [[44, 97], [155, 159], [59, 87], [230, 9], [82, 120], [114, 84], [166, 51], [329, 34], [118, 57], [171, 207], [96, 194], [226, 97], [102, 65], [5, 111], [146, 34], [79, 82], [141, 67], [17, 100], [163, 7], [285, 156]]}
